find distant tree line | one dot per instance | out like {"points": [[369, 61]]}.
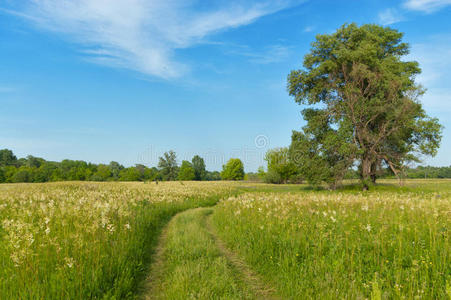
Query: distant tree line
{"points": [[428, 172], [35, 169]]}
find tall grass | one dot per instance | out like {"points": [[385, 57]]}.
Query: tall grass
{"points": [[193, 266], [86, 240], [335, 245]]}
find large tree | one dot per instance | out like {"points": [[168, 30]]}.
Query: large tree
{"points": [[363, 104], [168, 165]]}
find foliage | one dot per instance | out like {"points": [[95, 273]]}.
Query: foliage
{"points": [[261, 173], [129, 174], [35, 169], [168, 165], [187, 171], [199, 168], [7, 158], [115, 169], [365, 105], [233, 170], [103, 173], [23, 174], [212, 176], [428, 172], [318, 152], [280, 166]]}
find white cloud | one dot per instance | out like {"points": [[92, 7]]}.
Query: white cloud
{"points": [[427, 6], [389, 16], [141, 35]]}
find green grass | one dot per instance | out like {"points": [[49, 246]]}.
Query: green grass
{"points": [[96, 240], [192, 265], [391, 241], [86, 240]]}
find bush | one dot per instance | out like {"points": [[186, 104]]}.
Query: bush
{"points": [[273, 177]]}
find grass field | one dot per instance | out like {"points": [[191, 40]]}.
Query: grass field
{"points": [[110, 240], [86, 240], [391, 242]]}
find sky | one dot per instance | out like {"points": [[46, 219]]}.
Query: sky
{"points": [[127, 80]]}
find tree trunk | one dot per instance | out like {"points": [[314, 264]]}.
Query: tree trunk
{"points": [[374, 171], [373, 178], [366, 172]]}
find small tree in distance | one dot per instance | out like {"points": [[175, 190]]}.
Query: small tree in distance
{"points": [[199, 168], [233, 170], [280, 167], [168, 166], [186, 171]]}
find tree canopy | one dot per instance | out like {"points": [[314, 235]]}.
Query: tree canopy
{"points": [[168, 165], [233, 170], [362, 106], [280, 166], [7, 158], [199, 168], [35, 169], [187, 171]]}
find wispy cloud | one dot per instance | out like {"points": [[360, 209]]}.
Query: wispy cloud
{"points": [[390, 16], [270, 54], [309, 28], [427, 6], [141, 35]]}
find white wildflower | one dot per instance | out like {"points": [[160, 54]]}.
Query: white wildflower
{"points": [[69, 261]]}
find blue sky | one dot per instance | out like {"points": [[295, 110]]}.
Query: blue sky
{"points": [[126, 80]]}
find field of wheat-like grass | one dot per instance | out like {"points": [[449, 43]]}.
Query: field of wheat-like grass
{"points": [[393, 244], [86, 240], [81, 240]]}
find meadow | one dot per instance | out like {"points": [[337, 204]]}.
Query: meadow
{"points": [[86, 240], [389, 243], [228, 240]]}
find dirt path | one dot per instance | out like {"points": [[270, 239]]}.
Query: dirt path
{"points": [[157, 267], [191, 261]]}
